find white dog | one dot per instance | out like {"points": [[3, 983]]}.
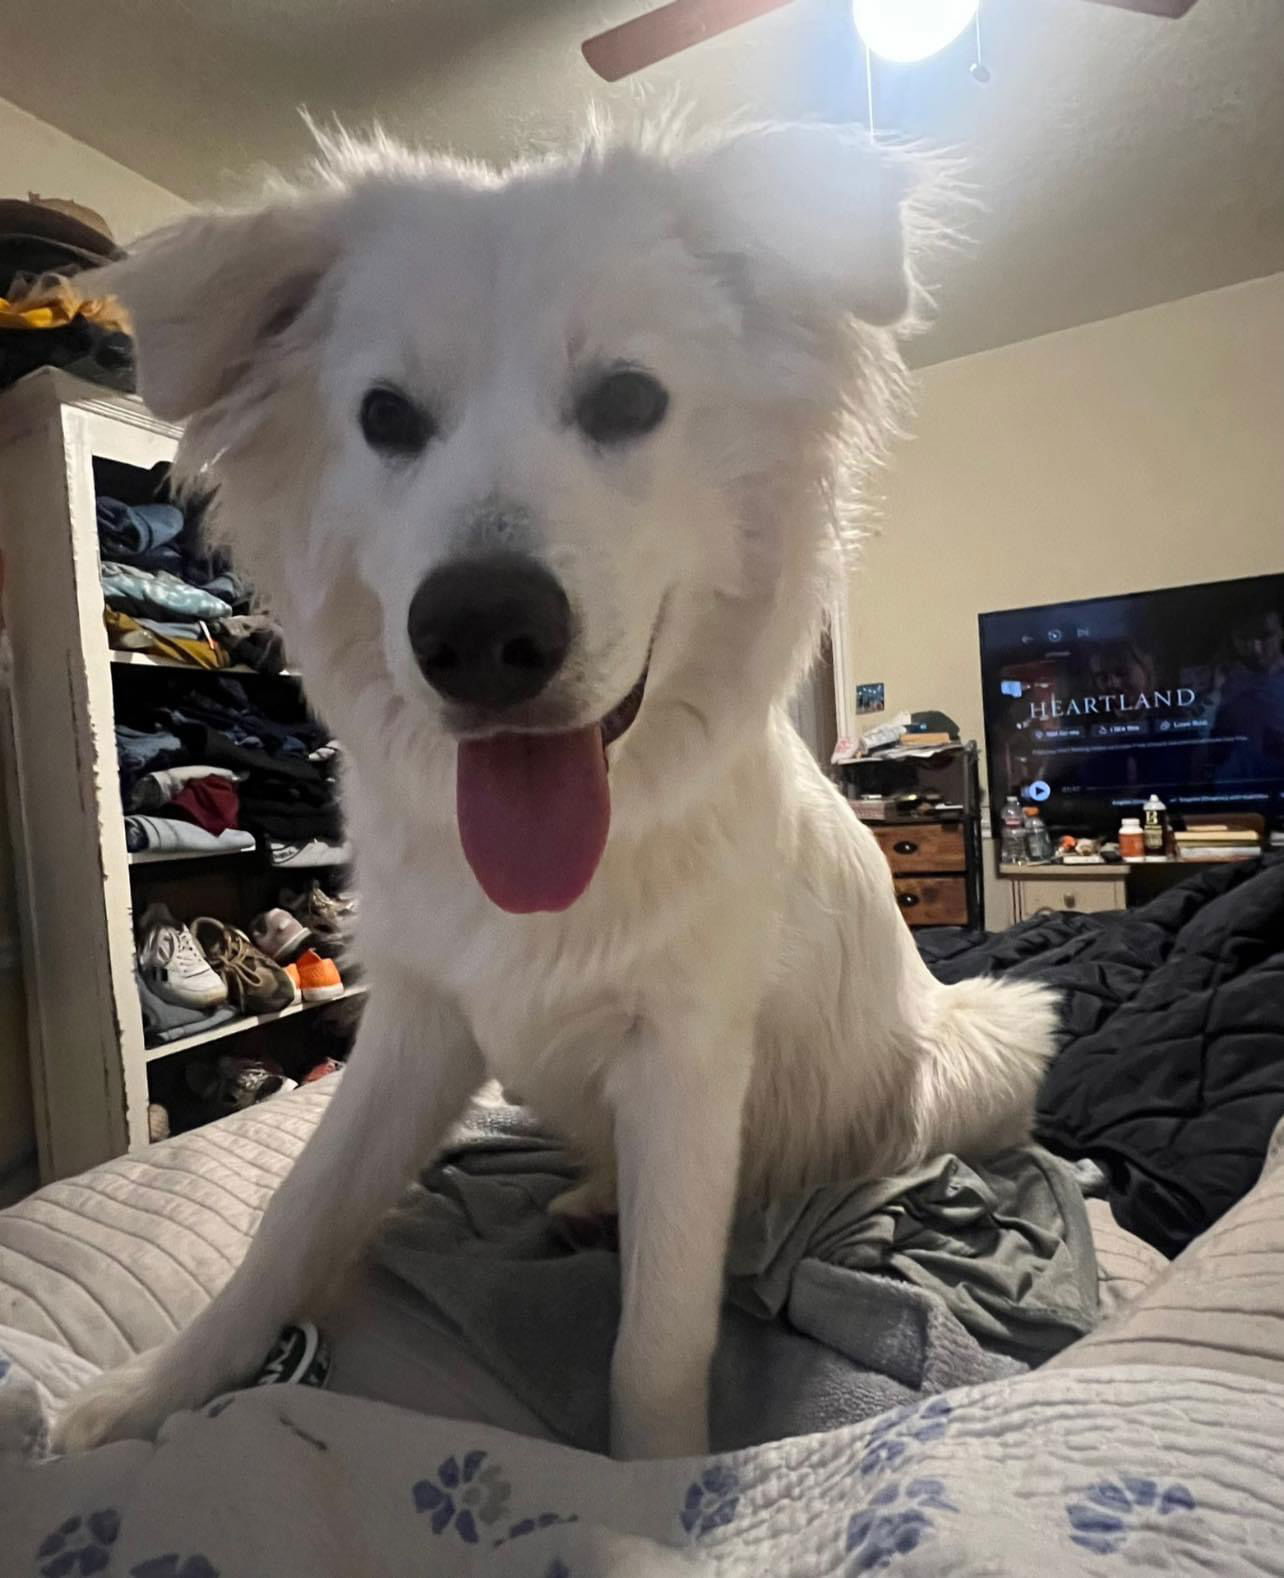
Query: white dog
{"points": [[545, 475]]}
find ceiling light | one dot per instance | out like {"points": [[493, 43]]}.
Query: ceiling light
{"points": [[911, 29]]}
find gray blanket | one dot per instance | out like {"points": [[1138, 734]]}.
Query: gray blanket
{"points": [[842, 1303]]}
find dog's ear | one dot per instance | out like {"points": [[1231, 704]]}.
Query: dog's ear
{"points": [[206, 295], [813, 216]]}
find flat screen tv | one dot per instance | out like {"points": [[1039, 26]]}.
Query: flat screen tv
{"points": [[1091, 706]]}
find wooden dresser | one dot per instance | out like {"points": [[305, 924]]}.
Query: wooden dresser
{"points": [[930, 866], [935, 858]]}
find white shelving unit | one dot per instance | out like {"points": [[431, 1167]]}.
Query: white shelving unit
{"points": [[89, 1062], [146, 660], [164, 857], [249, 1022]]}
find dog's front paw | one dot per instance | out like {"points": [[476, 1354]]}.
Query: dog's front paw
{"points": [[128, 1404]]}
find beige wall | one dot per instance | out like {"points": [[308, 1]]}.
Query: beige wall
{"points": [[40, 158], [1142, 451]]}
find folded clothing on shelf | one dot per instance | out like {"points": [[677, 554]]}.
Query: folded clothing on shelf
{"points": [[225, 705], [255, 640], [200, 795], [171, 836], [283, 797], [144, 535], [172, 641], [157, 594], [165, 1022], [212, 803], [157, 578], [203, 564], [164, 533], [154, 790], [145, 750], [285, 762]]}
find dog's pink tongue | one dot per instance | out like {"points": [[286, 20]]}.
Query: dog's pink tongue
{"points": [[534, 810]]}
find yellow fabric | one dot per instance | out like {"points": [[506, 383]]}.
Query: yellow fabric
{"points": [[53, 304], [127, 635]]}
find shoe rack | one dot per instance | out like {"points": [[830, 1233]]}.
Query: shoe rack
{"points": [[78, 884]]}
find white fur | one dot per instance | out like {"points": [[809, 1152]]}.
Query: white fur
{"points": [[736, 995]]}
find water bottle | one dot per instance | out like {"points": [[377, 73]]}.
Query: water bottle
{"points": [[1038, 841], [1012, 843]]}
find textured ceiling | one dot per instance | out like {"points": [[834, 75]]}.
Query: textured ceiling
{"points": [[1119, 160]]}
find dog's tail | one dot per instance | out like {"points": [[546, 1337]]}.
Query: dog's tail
{"points": [[988, 1043]]}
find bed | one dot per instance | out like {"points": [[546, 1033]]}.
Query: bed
{"points": [[1148, 1443]]}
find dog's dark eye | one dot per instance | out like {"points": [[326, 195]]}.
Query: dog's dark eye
{"points": [[394, 424], [621, 405]]}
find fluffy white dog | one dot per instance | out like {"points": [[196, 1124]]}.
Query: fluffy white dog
{"points": [[545, 474]]}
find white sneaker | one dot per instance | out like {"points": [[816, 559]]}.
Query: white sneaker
{"points": [[313, 852], [172, 964]]}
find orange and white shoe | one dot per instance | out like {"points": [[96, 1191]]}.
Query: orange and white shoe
{"points": [[319, 979]]}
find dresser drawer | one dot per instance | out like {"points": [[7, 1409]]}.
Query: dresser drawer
{"points": [[931, 846], [932, 901], [1063, 890]]}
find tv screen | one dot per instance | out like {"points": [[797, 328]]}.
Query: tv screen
{"points": [[1092, 706]]}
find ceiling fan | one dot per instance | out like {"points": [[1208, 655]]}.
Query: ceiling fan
{"points": [[669, 29]]}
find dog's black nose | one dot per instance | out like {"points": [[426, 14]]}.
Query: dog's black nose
{"points": [[490, 632]]}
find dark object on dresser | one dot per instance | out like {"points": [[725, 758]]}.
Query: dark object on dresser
{"points": [[932, 839]]}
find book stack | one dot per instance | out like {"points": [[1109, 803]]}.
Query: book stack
{"points": [[1217, 843]]}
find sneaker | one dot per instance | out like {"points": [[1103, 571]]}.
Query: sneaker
{"points": [[173, 966], [328, 918], [292, 970], [327, 1065], [300, 1354], [312, 852], [158, 1121], [255, 984], [277, 934], [233, 1083], [319, 978]]}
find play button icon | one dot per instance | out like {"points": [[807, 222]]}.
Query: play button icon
{"points": [[1039, 790]]}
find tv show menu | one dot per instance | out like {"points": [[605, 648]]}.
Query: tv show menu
{"points": [[1093, 706]]}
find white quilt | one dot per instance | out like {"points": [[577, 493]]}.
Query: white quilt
{"points": [[96, 1268], [1130, 1469], [1080, 1472]]}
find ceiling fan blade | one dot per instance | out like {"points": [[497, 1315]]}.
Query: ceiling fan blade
{"points": [[1169, 8], [655, 35]]}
